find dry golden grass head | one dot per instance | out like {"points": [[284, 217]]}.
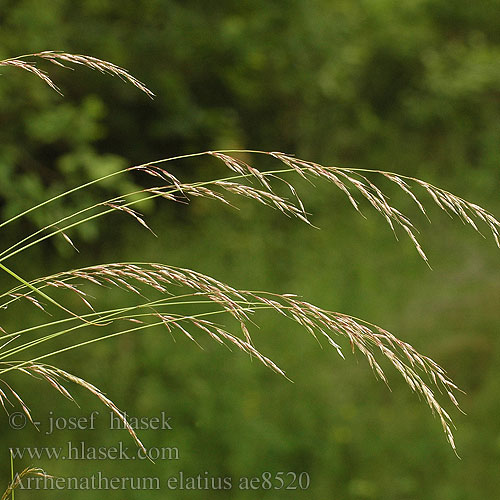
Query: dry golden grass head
{"points": [[63, 59]]}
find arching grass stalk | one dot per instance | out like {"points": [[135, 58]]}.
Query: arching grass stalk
{"points": [[120, 314], [113, 206], [344, 178], [241, 305]]}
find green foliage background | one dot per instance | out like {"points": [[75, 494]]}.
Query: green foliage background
{"points": [[411, 87]]}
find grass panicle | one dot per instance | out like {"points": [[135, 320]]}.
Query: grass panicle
{"points": [[63, 59], [181, 287]]}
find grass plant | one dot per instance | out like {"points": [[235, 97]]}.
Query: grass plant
{"points": [[177, 288]]}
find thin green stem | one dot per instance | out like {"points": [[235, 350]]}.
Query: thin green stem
{"points": [[39, 292], [94, 314], [4, 257], [95, 181], [20, 364], [12, 472], [108, 316], [59, 196]]}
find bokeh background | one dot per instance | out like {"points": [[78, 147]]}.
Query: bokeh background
{"points": [[411, 87]]}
